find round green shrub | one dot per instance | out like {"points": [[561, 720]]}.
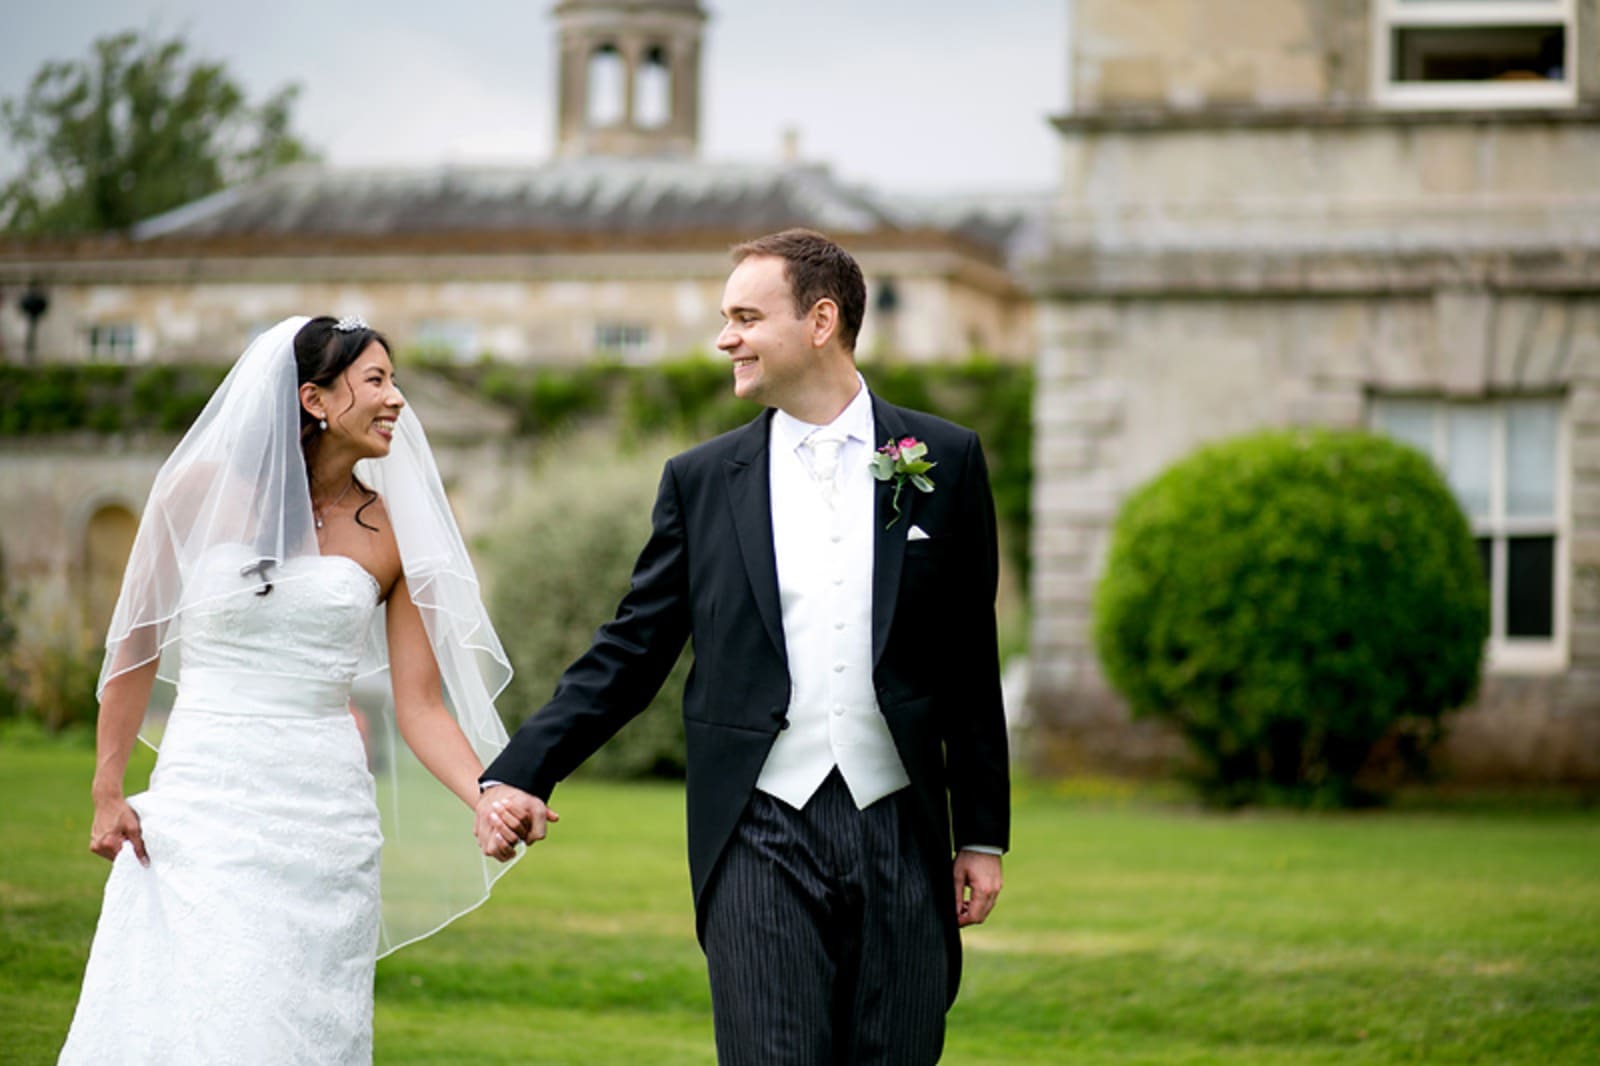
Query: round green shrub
{"points": [[556, 568], [1285, 599]]}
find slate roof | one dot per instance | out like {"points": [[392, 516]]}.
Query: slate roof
{"points": [[569, 196], [590, 197]]}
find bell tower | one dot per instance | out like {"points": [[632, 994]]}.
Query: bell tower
{"points": [[629, 77]]}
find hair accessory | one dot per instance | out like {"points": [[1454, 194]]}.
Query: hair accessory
{"points": [[351, 324]]}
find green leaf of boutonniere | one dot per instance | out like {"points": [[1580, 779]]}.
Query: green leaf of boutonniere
{"points": [[902, 461]]}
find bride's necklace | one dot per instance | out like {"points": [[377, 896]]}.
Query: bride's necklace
{"points": [[316, 509]]}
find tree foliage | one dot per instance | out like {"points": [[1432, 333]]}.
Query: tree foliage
{"points": [[1288, 598], [555, 568], [134, 129]]}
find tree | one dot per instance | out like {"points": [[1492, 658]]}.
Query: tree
{"points": [[135, 129], [1288, 598]]}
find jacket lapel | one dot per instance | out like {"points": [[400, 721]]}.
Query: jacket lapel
{"points": [[890, 544], [750, 497]]}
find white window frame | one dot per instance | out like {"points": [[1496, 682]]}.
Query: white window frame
{"points": [[1390, 15], [637, 349], [1511, 655], [112, 342], [455, 337]]}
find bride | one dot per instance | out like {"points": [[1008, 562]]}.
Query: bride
{"points": [[247, 903]]}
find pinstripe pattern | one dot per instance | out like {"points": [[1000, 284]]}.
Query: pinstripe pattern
{"points": [[823, 946]]}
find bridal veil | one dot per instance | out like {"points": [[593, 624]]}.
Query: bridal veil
{"points": [[238, 478]]}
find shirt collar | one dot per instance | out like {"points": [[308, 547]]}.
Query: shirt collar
{"points": [[855, 422]]}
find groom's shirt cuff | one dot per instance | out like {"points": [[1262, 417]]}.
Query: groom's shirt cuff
{"points": [[982, 849], [484, 786]]}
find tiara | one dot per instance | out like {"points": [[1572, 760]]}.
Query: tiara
{"points": [[351, 324]]}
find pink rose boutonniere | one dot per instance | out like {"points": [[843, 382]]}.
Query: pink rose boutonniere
{"points": [[901, 461]]}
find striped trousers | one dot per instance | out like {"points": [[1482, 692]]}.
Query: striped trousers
{"points": [[823, 944]]}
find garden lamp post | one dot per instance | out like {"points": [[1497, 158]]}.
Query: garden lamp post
{"points": [[34, 303]]}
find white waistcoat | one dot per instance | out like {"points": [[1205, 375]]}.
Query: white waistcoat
{"points": [[824, 557]]}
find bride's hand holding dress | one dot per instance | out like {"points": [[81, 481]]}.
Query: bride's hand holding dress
{"points": [[122, 707]]}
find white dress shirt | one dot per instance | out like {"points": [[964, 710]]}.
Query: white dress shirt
{"points": [[823, 541]]}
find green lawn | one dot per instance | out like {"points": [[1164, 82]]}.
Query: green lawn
{"points": [[1130, 932]]}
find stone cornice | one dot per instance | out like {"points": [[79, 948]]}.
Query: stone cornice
{"points": [[1167, 120], [105, 261], [1087, 272]]}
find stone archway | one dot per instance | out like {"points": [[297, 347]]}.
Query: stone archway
{"points": [[107, 542]]}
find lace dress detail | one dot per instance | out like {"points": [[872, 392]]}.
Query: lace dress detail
{"points": [[252, 935]]}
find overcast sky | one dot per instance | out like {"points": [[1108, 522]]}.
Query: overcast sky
{"points": [[912, 95]]}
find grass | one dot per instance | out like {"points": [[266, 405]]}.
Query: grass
{"points": [[1131, 931]]}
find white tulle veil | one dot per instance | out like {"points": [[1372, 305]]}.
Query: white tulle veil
{"points": [[238, 477]]}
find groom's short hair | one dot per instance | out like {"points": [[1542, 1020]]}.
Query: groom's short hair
{"points": [[817, 269]]}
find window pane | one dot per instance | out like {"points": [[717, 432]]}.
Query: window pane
{"points": [[1410, 421], [1485, 559], [1530, 586], [1479, 53], [652, 105], [453, 339], [1470, 430], [1531, 460], [607, 86]]}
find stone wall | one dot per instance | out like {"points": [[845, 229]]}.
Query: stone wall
{"points": [[51, 489], [531, 309], [1197, 54], [1128, 385]]}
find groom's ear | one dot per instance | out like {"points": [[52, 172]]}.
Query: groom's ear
{"points": [[824, 322]]}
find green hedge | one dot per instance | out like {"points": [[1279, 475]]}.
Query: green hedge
{"points": [[692, 398], [556, 568], [103, 398], [1287, 599]]}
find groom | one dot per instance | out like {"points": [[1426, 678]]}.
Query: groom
{"points": [[844, 725]]}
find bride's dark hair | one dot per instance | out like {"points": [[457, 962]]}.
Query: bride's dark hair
{"points": [[321, 354]]}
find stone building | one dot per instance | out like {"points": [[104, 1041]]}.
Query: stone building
{"points": [[614, 249], [1378, 213]]}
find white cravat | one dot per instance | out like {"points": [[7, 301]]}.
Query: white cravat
{"points": [[823, 532], [824, 446]]}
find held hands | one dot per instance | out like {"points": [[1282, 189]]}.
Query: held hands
{"points": [[114, 823], [977, 877], [507, 816]]}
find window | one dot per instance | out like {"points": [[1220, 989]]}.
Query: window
{"points": [[1503, 460], [631, 342], [652, 106], [1474, 53], [607, 87], [446, 340], [111, 343]]}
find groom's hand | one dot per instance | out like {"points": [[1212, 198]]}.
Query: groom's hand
{"points": [[977, 877], [507, 815]]}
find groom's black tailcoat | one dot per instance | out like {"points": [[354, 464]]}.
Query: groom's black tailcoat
{"points": [[709, 573]]}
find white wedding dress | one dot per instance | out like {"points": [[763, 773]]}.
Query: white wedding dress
{"points": [[252, 935]]}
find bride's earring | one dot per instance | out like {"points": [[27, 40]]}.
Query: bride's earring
{"points": [[322, 424]]}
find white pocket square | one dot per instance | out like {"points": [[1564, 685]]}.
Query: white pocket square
{"points": [[916, 533]]}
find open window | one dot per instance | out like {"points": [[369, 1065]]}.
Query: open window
{"points": [[1474, 53]]}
